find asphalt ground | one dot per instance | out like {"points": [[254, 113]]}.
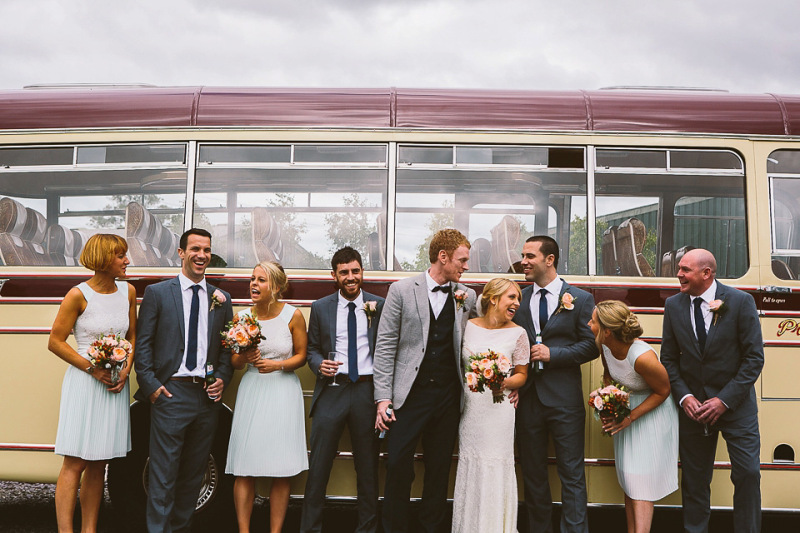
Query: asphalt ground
{"points": [[30, 508]]}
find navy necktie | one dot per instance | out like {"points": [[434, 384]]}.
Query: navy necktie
{"points": [[699, 323], [194, 313], [352, 344], [542, 309]]}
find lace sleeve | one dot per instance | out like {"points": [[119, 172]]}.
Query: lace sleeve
{"points": [[522, 351]]}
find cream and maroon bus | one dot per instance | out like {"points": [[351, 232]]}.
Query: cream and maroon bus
{"points": [[625, 180]]}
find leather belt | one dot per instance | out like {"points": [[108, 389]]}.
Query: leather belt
{"points": [[188, 379], [344, 378]]}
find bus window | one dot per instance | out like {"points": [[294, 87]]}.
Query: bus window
{"points": [[52, 199], [783, 167], [295, 204], [497, 196], [653, 205]]}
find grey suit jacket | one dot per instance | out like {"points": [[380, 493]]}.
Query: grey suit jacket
{"points": [[160, 336], [571, 344], [733, 357], [322, 335], [403, 336]]}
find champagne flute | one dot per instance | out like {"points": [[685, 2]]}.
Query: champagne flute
{"points": [[332, 357]]}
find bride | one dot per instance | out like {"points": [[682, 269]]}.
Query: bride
{"points": [[486, 495]]}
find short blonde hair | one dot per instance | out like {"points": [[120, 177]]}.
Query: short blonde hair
{"points": [[615, 316], [278, 282], [448, 240], [497, 287], [99, 251]]}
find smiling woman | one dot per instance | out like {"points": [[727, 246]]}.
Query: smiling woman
{"points": [[626, 181]]}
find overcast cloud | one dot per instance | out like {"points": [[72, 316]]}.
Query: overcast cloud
{"points": [[738, 45]]}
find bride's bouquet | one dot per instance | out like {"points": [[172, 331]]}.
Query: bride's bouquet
{"points": [[488, 370], [241, 333], [110, 352], [610, 401]]}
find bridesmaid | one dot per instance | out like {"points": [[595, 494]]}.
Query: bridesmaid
{"points": [[268, 433], [93, 423], [646, 442]]}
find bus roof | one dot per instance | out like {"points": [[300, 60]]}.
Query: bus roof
{"points": [[601, 110]]}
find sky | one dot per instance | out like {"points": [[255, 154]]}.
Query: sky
{"points": [[743, 46]]}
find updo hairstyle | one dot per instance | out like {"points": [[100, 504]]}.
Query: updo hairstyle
{"points": [[278, 282], [618, 318], [496, 288]]}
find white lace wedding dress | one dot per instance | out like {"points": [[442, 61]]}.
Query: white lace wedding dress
{"points": [[485, 497]]}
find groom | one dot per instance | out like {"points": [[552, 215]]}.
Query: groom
{"points": [[177, 333], [552, 403], [713, 352], [418, 371]]}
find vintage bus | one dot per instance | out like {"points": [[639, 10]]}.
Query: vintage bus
{"points": [[625, 180]]}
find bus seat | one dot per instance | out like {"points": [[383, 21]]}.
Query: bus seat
{"points": [[480, 257], [267, 244], [679, 255], [64, 245], [22, 232], [374, 252], [149, 242], [381, 222], [609, 251], [516, 268], [668, 264], [505, 237], [631, 235], [781, 269]]}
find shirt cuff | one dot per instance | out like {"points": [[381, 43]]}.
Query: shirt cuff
{"points": [[680, 403]]}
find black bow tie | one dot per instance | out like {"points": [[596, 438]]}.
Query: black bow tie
{"points": [[443, 288]]}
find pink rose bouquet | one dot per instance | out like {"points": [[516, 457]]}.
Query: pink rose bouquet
{"points": [[241, 333], [488, 370], [110, 352], [610, 401]]}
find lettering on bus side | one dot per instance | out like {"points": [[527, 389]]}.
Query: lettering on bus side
{"points": [[789, 326]]}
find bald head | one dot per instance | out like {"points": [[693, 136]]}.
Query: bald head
{"points": [[696, 271]]}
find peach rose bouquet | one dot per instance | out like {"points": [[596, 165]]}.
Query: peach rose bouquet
{"points": [[110, 352], [241, 333], [488, 370]]}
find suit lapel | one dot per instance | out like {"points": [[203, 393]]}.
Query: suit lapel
{"points": [[685, 322], [367, 297], [177, 298], [712, 329], [332, 312], [209, 291], [558, 312], [423, 305], [524, 313]]}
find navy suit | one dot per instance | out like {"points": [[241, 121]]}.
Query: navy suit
{"points": [[727, 369], [181, 427], [332, 408], [552, 402]]}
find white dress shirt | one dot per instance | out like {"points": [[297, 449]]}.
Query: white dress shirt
{"points": [[362, 342], [202, 326], [707, 297], [438, 298], [553, 291]]}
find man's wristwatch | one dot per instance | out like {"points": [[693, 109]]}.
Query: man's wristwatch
{"points": [[90, 370]]}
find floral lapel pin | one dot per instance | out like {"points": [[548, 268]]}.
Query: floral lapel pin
{"points": [[370, 309], [460, 297], [717, 307], [217, 299], [565, 302]]}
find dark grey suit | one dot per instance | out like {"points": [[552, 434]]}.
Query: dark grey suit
{"points": [[553, 403], [727, 369], [182, 427], [332, 408]]}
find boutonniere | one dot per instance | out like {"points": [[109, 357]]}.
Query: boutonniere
{"points": [[217, 299], [370, 309], [565, 302], [460, 297], [717, 307]]}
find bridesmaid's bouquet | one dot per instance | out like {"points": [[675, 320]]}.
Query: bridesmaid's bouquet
{"points": [[610, 401], [110, 352], [488, 370], [241, 333]]}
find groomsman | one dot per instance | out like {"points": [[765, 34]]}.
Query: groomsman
{"points": [[552, 403], [418, 371], [177, 333], [713, 352], [345, 322]]}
